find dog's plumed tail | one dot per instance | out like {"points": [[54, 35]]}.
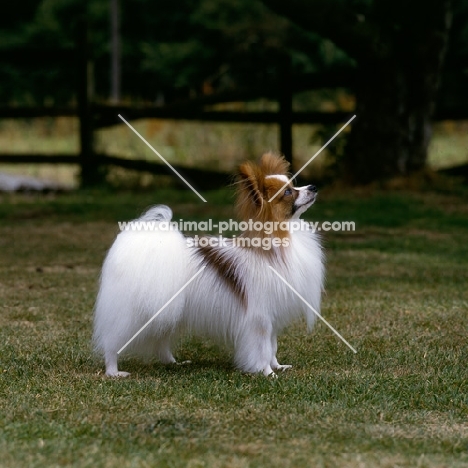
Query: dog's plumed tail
{"points": [[157, 213]]}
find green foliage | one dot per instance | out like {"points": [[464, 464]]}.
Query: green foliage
{"points": [[182, 48], [177, 48], [168, 48]]}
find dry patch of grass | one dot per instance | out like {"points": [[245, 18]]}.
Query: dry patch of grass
{"points": [[219, 146]]}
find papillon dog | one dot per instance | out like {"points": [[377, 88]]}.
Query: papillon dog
{"points": [[229, 291]]}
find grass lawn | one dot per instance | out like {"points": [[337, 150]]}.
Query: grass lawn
{"points": [[397, 290]]}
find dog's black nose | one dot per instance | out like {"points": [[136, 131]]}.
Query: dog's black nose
{"points": [[312, 188]]}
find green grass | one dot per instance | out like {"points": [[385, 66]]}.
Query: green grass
{"points": [[396, 289]]}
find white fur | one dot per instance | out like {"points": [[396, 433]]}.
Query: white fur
{"points": [[281, 177], [305, 199], [143, 270]]}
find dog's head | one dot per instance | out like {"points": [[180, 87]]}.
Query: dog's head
{"points": [[265, 192]]}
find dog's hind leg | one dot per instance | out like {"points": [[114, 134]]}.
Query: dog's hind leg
{"points": [[111, 365]]}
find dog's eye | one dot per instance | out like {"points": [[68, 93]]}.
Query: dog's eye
{"points": [[287, 192]]}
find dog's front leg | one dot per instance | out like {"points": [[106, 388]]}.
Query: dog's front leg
{"points": [[253, 349], [275, 365]]}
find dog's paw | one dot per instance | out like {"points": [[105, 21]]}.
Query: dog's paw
{"points": [[272, 375], [183, 363], [118, 374], [283, 367]]}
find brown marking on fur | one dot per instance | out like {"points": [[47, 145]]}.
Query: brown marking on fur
{"points": [[225, 267]]}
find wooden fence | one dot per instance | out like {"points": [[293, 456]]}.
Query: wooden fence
{"points": [[94, 116]]}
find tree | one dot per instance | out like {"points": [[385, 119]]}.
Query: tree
{"points": [[115, 50], [399, 49]]}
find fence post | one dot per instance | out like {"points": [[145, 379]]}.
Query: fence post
{"points": [[90, 174], [285, 98]]}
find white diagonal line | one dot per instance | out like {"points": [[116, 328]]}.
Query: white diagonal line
{"points": [[158, 154], [313, 157], [312, 309], [160, 310]]}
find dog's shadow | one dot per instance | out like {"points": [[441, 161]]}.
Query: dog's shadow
{"points": [[194, 357], [153, 368]]}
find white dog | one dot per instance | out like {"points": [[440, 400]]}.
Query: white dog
{"points": [[237, 299]]}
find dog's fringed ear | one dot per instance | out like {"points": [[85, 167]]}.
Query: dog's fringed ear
{"points": [[249, 190], [272, 164]]}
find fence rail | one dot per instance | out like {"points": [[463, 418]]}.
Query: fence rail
{"points": [[93, 115], [202, 177]]}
